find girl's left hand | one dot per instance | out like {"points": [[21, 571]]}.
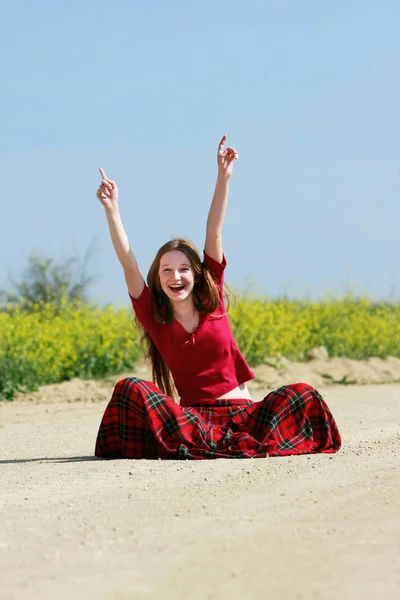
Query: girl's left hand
{"points": [[225, 159]]}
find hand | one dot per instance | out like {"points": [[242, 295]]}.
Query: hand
{"points": [[225, 159], [107, 191]]}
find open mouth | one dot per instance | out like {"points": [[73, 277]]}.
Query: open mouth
{"points": [[175, 289]]}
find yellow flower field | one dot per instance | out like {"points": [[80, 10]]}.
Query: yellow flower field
{"points": [[348, 327], [51, 343]]}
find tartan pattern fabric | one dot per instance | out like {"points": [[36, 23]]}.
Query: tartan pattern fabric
{"points": [[142, 422]]}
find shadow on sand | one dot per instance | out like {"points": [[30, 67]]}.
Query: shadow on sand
{"points": [[47, 459]]}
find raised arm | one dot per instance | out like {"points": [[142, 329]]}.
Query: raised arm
{"points": [[216, 215], [107, 193]]}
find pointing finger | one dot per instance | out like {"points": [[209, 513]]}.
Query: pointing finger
{"points": [[102, 173], [221, 144]]}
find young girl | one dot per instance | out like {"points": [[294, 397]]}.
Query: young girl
{"points": [[190, 345]]}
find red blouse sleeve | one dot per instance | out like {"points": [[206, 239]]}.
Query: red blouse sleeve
{"points": [[143, 309], [216, 269]]}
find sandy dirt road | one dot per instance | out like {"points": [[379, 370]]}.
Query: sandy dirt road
{"points": [[308, 527]]}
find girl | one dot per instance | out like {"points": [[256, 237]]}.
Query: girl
{"points": [[190, 345]]}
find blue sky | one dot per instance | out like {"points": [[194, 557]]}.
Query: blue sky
{"points": [[308, 92]]}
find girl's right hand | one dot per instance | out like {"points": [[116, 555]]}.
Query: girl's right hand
{"points": [[107, 191]]}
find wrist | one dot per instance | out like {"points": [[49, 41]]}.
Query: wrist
{"points": [[222, 178], [112, 212]]}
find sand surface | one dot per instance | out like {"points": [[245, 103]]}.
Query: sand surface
{"points": [[306, 527]]}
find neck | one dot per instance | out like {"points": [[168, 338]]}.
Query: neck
{"points": [[184, 311]]}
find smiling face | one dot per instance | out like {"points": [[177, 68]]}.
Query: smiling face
{"points": [[176, 275]]}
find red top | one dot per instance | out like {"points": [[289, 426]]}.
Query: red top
{"points": [[204, 364]]}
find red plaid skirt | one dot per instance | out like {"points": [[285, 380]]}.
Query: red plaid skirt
{"points": [[142, 422]]}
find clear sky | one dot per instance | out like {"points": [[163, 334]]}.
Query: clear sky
{"points": [[307, 91]]}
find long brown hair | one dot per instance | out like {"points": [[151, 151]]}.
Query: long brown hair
{"points": [[205, 299]]}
